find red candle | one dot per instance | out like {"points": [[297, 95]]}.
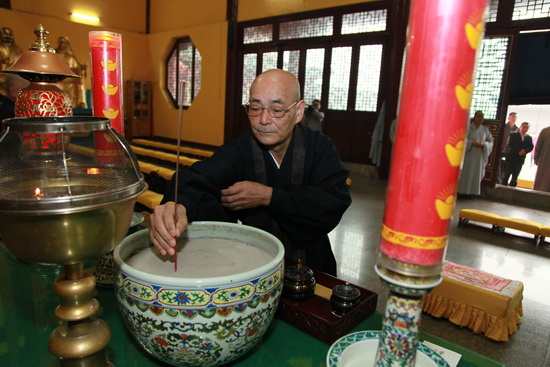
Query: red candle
{"points": [[107, 93], [106, 60], [443, 38]]}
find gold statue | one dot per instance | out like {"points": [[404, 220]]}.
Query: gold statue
{"points": [[74, 87], [9, 52]]}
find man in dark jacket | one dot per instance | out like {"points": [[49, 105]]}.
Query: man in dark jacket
{"points": [[280, 177], [519, 145]]}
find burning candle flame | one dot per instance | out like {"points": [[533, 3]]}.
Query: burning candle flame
{"points": [[38, 194]]}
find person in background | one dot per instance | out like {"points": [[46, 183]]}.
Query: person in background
{"points": [[278, 176], [479, 145], [509, 128], [519, 145], [314, 117], [542, 160], [14, 83]]}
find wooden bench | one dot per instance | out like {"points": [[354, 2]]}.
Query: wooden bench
{"points": [[483, 302], [172, 147], [163, 156], [499, 224], [481, 216], [165, 173], [544, 232], [522, 225], [150, 199]]}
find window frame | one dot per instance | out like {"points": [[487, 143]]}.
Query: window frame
{"points": [[174, 50], [354, 40]]}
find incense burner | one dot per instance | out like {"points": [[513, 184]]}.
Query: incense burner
{"points": [[204, 321]]}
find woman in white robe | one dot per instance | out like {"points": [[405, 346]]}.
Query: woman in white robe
{"points": [[478, 148]]}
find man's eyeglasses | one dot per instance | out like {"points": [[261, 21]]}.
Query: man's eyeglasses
{"points": [[255, 110]]}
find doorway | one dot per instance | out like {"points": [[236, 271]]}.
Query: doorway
{"points": [[538, 117]]}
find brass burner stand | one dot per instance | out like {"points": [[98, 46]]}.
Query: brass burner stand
{"points": [[81, 339]]}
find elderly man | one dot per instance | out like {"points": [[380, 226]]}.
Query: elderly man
{"points": [[279, 176]]}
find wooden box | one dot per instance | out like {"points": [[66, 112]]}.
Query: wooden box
{"points": [[315, 317]]}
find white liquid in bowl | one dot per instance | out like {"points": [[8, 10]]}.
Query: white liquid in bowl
{"points": [[202, 258]]}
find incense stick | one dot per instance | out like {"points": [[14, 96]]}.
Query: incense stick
{"points": [[180, 123]]}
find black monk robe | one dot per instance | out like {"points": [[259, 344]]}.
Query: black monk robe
{"points": [[309, 192]]}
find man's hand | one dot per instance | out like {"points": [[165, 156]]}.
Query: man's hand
{"points": [[246, 195], [167, 223]]}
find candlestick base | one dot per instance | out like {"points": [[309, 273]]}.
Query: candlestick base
{"points": [[404, 270], [402, 316]]}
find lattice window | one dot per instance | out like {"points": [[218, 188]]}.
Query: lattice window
{"points": [[269, 60], [492, 10], [340, 70], [366, 21], [489, 76], [368, 79], [291, 61], [250, 64], [183, 65], [262, 33], [313, 81], [531, 9], [315, 27], [172, 78]]}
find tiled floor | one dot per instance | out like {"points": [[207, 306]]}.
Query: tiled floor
{"points": [[355, 243]]}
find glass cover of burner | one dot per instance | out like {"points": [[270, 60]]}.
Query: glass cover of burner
{"points": [[66, 163]]}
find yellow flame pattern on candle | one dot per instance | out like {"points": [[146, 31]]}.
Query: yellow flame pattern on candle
{"points": [[474, 33], [110, 113], [464, 95], [413, 241], [110, 65], [445, 208], [109, 90], [454, 153]]}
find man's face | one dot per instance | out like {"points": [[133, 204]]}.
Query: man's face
{"points": [[478, 118], [523, 129], [275, 94], [512, 118]]}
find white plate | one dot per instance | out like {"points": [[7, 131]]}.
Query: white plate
{"points": [[136, 219], [359, 350]]}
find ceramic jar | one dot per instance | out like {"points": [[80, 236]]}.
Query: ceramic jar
{"points": [[299, 283], [344, 298], [204, 322]]}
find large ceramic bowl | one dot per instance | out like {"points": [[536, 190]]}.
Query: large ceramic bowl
{"points": [[200, 321]]}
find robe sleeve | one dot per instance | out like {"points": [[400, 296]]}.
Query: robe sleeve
{"points": [[200, 186], [309, 211], [488, 145]]}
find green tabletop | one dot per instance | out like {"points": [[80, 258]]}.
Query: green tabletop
{"points": [[28, 301]]}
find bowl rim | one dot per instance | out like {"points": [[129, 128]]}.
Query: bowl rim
{"points": [[134, 242]]}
